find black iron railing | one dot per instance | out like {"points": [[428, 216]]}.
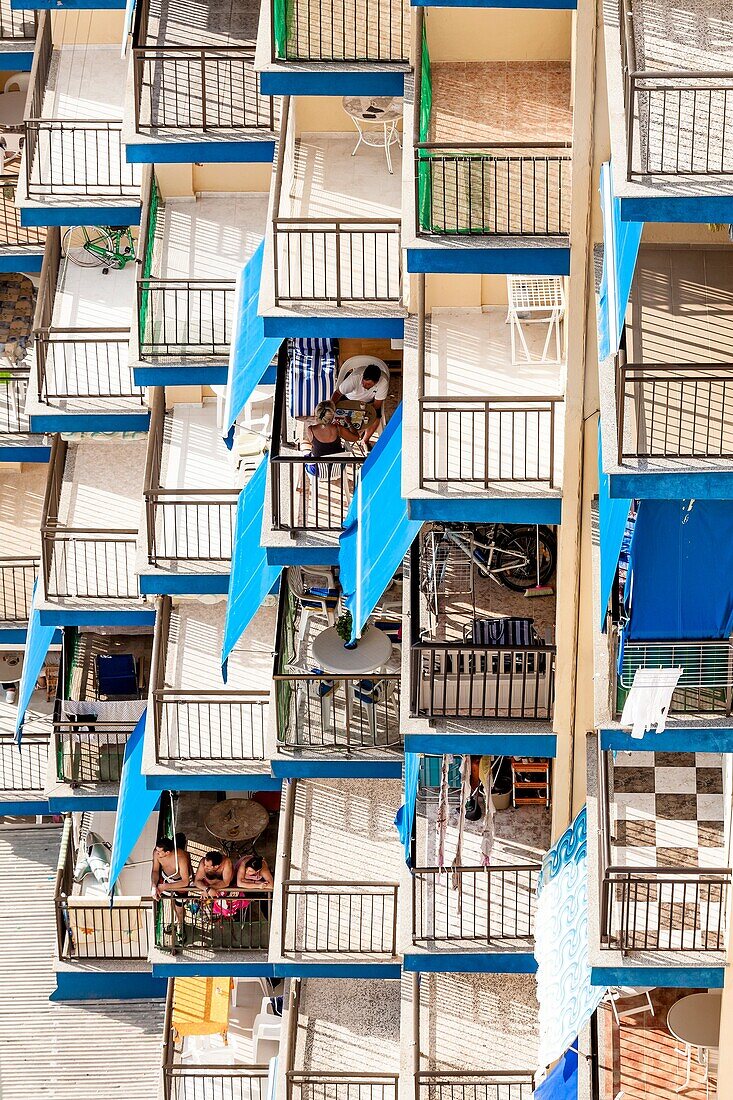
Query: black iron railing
{"points": [[17, 577], [340, 30], [209, 725], [13, 392], [490, 1084], [234, 920], [23, 768], [678, 123], [337, 260], [326, 712], [309, 495], [12, 233], [184, 318], [84, 363], [16, 25], [504, 189], [215, 1082], [89, 562], [89, 751], [473, 681], [96, 928], [488, 440], [341, 1086], [342, 918], [674, 410], [665, 908], [84, 157], [474, 904]]}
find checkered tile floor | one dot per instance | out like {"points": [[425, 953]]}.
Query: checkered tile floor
{"points": [[667, 809], [667, 812]]}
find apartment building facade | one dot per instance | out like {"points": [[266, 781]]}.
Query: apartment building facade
{"points": [[491, 608]]}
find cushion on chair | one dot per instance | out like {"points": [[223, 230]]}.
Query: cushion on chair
{"points": [[325, 687], [312, 374], [116, 674]]}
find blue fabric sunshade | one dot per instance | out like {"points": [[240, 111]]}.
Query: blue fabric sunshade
{"points": [[613, 514], [134, 804], [251, 577], [378, 532], [251, 351], [406, 813], [621, 242], [38, 641], [681, 570]]}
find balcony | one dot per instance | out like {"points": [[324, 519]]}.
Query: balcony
{"points": [[90, 925], [341, 866], [492, 905], [198, 722], [664, 883], [210, 90], [82, 333], [19, 297], [492, 155], [16, 239], [17, 28], [374, 31], [90, 523], [103, 695], [235, 926], [674, 373], [342, 1038], [191, 490], [475, 653], [22, 773], [483, 418], [475, 1034], [303, 504], [21, 506], [73, 151], [336, 226], [192, 254], [677, 89], [324, 715], [233, 1064]]}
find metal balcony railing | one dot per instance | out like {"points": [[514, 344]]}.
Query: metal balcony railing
{"points": [[476, 1085], [503, 189], [12, 233], [488, 440], [678, 123], [326, 712], [96, 928], [89, 751], [340, 30], [463, 680], [342, 261], [185, 318], [17, 577], [201, 1082], [674, 410], [84, 363], [13, 393], [235, 920], [706, 683], [341, 1086], [23, 770], [183, 524], [340, 918], [209, 725], [487, 905], [16, 25], [665, 908]]}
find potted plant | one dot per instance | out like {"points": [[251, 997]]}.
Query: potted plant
{"points": [[344, 625]]}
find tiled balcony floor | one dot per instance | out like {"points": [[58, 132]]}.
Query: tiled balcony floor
{"points": [[103, 484], [328, 182], [700, 37], [640, 1059], [211, 23]]}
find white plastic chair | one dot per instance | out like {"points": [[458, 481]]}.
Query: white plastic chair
{"points": [[354, 363], [627, 992]]}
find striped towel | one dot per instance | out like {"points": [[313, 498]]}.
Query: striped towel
{"points": [[504, 632], [312, 376]]}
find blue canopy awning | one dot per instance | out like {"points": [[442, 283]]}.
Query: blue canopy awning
{"points": [[681, 569], [613, 515], [621, 242], [561, 1082], [135, 803], [405, 817], [378, 532], [38, 641], [251, 577], [251, 351]]}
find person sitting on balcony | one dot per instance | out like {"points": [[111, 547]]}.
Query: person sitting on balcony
{"points": [[214, 874], [171, 873], [366, 384], [254, 874], [323, 435]]}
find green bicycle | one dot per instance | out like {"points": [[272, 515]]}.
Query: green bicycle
{"points": [[99, 246]]}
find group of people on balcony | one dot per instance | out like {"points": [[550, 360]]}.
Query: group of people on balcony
{"points": [[327, 431], [217, 878]]}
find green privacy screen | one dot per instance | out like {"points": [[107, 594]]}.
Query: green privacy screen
{"points": [[424, 186], [148, 256], [280, 27]]}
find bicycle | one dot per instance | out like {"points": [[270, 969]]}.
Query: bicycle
{"points": [[109, 246], [515, 556]]}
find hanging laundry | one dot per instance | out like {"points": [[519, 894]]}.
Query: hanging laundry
{"points": [[648, 702]]}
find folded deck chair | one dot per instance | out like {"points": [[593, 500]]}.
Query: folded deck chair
{"points": [[116, 674], [311, 374]]}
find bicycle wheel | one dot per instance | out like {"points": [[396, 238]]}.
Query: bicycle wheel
{"points": [[77, 252], [524, 540], [119, 246]]}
